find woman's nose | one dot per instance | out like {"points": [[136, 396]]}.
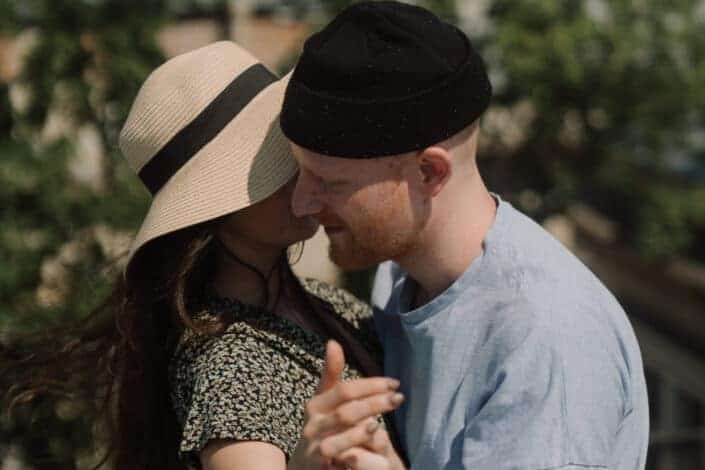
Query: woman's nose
{"points": [[305, 200]]}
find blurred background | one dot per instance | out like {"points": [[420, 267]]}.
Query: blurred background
{"points": [[597, 131]]}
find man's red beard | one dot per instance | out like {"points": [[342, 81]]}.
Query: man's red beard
{"points": [[366, 246]]}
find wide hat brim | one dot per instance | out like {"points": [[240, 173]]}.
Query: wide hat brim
{"points": [[246, 162]]}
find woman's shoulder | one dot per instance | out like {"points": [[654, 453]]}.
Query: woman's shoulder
{"points": [[249, 382], [253, 339], [247, 338], [252, 379], [253, 334], [343, 302]]}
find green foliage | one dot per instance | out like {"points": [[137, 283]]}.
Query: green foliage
{"points": [[60, 235], [56, 232], [616, 90], [666, 217], [443, 8], [90, 78]]}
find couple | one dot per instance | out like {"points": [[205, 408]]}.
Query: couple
{"points": [[490, 346]]}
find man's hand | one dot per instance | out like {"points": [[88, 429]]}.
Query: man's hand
{"points": [[341, 416], [377, 454]]}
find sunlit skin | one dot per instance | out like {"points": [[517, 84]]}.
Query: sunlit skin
{"points": [[354, 201], [258, 234], [427, 210]]}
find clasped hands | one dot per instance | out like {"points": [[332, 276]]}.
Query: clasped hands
{"points": [[341, 430]]}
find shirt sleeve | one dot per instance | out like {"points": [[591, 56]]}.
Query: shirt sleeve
{"points": [[552, 402], [245, 388]]}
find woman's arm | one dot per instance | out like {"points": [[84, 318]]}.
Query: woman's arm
{"points": [[227, 454], [224, 454]]}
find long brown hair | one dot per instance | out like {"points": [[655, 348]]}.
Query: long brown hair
{"points": [[119, 355]]}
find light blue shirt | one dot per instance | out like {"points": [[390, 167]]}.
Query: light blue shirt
{"points": [[525, 362]]}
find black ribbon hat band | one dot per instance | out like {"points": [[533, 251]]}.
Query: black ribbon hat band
{"points": [[195, 135]]}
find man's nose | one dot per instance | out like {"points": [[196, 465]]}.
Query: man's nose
{"points": [[305, 200]]}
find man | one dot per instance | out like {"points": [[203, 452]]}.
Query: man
{"points": [[511, 354]]}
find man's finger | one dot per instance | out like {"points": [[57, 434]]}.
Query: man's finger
{"points": [[358, 458], [380, 443], [352, 390], [332, 367], [375, 453], [350, 414], [353, 437]]}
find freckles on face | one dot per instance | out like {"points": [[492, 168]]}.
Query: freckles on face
{"points": [[364, 205], [379, 225]]}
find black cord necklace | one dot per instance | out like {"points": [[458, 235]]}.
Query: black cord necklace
{"points": [[264, 279]]}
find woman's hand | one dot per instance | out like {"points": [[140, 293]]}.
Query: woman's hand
{"points": [[340, 421]]}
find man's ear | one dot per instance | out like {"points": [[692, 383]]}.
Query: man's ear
{"points": [[434, 164]]}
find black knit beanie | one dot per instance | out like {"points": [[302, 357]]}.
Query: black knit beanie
{"points": [[383, 78]]}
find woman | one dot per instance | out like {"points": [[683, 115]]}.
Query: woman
{"points": [[209, 347]]}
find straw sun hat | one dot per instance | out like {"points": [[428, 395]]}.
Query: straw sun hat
{"points": [[203, 136]]}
